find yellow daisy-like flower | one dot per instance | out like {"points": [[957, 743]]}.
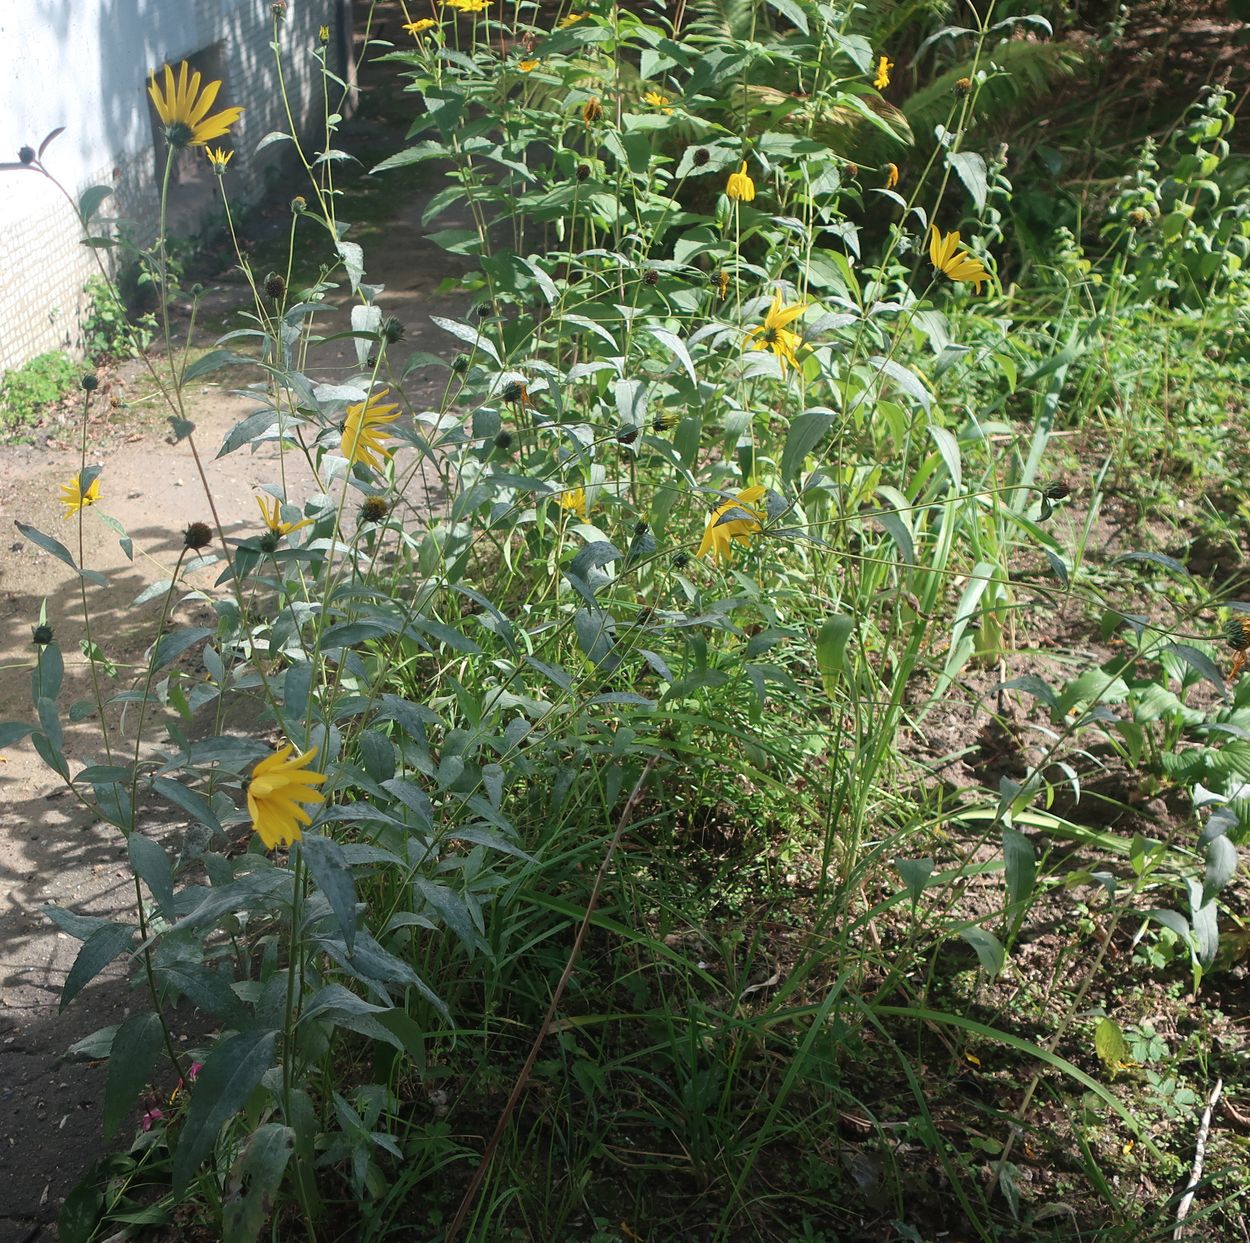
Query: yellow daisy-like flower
{"points": [[571, 20], [183, 108], [271, 512], [891, 176], [740, 186], [776, 334], [218, 159], [720, 532], [959, 265], [418, 28], [74, 498], [882, 80], [658, 100], [528, 66], [323, 34], [574, 500], [278, 787], [362, 430]]}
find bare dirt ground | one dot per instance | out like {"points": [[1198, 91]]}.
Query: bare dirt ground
{"points": [[50, 849]]}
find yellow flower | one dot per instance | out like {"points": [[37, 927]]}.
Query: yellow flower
{"points": [[418, 28], [658, 100], [740, 186], [718, 535], [323, 35], [75, 499], [775, 333], [959, 265], [183, 108], [528, 66], [362, 430], [218, 159], [891, 176], [272, 514], [277, 788], [573, 499], [592, 110], [882, 80], [722, 284], [571, 20]]}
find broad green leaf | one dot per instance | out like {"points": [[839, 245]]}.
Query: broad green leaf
{"points": [[1109, 1043], [98, 950], [989, 950], [131, 1058], [252, 1187], [330, 870], [831, 650], [229, 1074]]}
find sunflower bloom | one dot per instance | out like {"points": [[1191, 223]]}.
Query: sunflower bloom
{"points": [[776, 334], [882, 80], [418, 28], [658, 99], [183, 108], [572, 20], [529, 65], [218, 159], [740, 187], [271, 512], [75, 499], [891, 176], [958, 265], [574, 500], [721, 531], [278, 786], [363, 430]]}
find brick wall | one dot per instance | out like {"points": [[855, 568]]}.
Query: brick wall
{"points": [[90, 74]]}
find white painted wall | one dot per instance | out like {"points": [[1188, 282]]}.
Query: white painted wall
{"points": [[84, 64]]}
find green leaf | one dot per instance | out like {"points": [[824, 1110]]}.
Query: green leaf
{"points": [[1221, 867], [214, 360], [330, 870], [48, 544], [151, 865], [970, 169], [172, 645], [989, 950], [806, 431], [98, 950], [831, 650], [81, 1211], [131, 1058], [89, 201], [1020, 861], [227, 1078], [1109, 1043], [915, 874], [252, 1187]]}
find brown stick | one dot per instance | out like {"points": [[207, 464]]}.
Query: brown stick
{"points": [[1200, 1154], [479, 1174]]}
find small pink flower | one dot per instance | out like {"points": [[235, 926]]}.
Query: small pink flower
{"points": [[194, 1073], [151, 1115]]}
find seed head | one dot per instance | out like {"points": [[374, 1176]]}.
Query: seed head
{"points": [[90, 382], [198, 535], [963, 87], [700, 157], [460, 364], [1057, 491], [640, 529], [299, 204], [626, 435], [1139, 217], [852, 169], [583, 171], [651, 277], [503, 441], [41, 636], [393, 330], [680, 561], [275, 286], [374, 509], [269, 541], [514, 392], [26, 155], [1237, 634]]}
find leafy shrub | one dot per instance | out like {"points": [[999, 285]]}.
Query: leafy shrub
{"points": [[27, 389]]}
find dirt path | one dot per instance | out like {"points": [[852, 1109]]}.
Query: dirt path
{"points": [[50, 851]]}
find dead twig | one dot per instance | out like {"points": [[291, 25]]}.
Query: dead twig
{"points": [[1200, 1156]]}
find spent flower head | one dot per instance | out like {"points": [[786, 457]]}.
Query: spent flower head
{"points": [[197, 535], [740, 187], [41, 635], [27, 155]]}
